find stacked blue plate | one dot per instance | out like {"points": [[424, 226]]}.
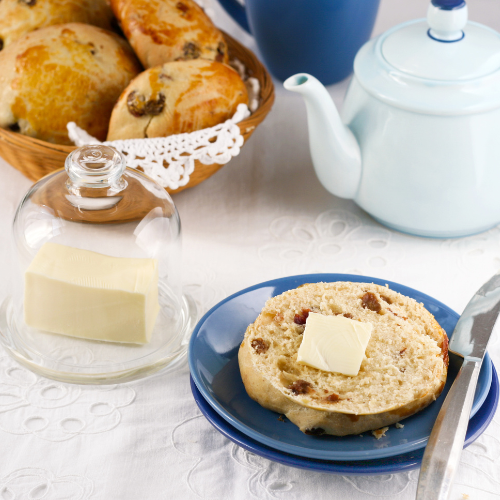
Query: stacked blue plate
{"points": [[219, 392]]}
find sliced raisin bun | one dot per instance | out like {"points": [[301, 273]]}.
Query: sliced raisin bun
{"points": [[18, 17], [69, 72], [177, 97], [404, 369], [169, 30]]}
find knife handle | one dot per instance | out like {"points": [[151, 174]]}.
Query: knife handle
{"points": [[443, 450]]}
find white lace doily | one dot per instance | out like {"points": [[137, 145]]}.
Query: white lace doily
{"points": [[171, 160]]}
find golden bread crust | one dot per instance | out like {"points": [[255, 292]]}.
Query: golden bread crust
{"points": [[169, 30], [18, 17], [177, 97], [69, 72]]}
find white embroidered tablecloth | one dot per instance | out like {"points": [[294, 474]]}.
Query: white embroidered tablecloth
{"points": [[263, 216]]}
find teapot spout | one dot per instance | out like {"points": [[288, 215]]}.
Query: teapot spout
{"points": [[334, 149]]}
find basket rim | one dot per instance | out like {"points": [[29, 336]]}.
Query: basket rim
{"points": [[267, 80], [266, 101]]}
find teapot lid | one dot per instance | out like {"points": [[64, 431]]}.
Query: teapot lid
{"points": [[444, 47], [441, 65]]}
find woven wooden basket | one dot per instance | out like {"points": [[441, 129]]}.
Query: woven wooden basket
{"points": [[35, 158]]}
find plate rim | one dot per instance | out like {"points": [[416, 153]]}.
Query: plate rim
{"points": [[374, 467], [320, 454]]}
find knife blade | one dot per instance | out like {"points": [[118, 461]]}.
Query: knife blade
{"points": [[470, 339]]}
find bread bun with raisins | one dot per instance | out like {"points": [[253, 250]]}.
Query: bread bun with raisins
{"points": [[403, 371], [55, 75], [177, 97], [169, 30], [18, 17]]}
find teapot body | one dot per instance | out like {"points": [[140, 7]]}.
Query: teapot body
{"points": [[425, 174], [417, 144]]}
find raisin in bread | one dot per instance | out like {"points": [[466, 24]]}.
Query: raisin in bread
{"points": [[404, 369], [175, 98]]}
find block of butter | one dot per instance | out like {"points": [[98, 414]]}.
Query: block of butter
{"points": [[334, 343], [90, 295]]}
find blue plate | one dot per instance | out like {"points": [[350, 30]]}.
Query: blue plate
{"points": [[214, 367], [398, 463]]}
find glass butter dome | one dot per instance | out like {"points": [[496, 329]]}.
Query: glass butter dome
{"points": [[99, 296]]}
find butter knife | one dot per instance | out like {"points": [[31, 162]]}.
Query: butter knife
{"points": [[468, 345]]}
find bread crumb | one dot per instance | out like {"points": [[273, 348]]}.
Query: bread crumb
{"points": [[399, 426], [465, 496], [380, 433], [380, 385]]}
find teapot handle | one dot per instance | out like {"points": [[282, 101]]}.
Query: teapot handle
{"points": [[237, 12]]}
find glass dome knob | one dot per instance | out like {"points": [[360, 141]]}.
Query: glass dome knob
{"points": [[95, 166], [447, 19]]}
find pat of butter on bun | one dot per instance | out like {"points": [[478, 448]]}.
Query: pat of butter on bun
{"points": [[334, 343]]}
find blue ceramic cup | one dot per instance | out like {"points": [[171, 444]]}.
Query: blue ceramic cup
{"points": [[319, 37]]}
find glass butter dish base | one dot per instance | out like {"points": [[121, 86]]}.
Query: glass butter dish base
{"points": [[83, 361]]}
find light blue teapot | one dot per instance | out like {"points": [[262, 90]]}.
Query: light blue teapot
{"points": [[418, 144]]}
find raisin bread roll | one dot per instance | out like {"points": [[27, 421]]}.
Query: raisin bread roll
{"points": [[18, 17], [404, 369], [69, 72], [175, 98], [169, 30]]}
